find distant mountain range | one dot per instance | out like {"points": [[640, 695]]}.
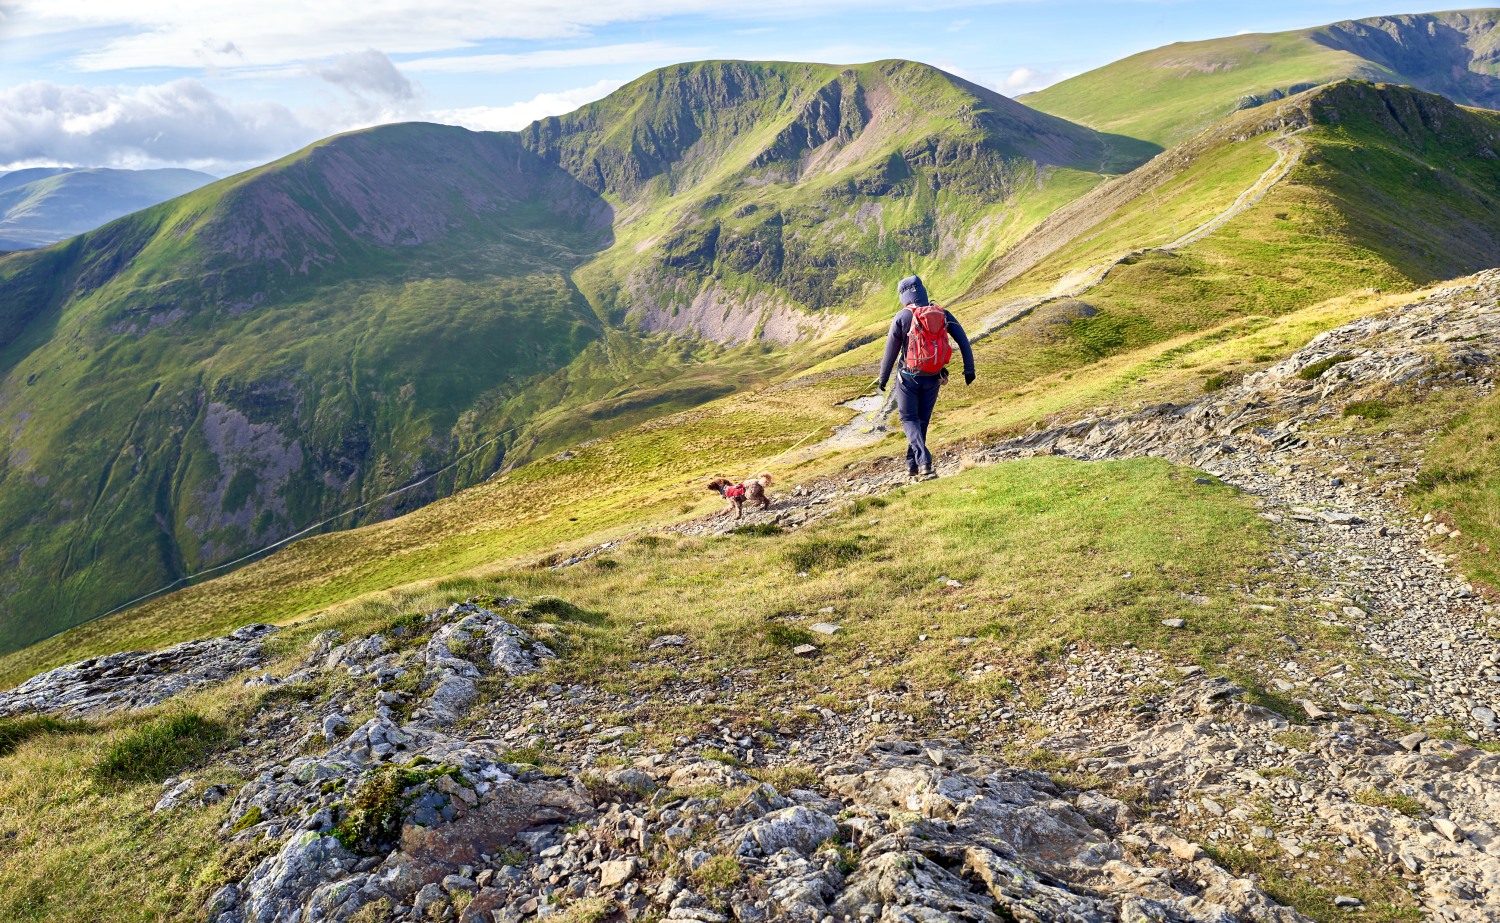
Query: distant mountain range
{"points": [[44, 205], [224, 369]]}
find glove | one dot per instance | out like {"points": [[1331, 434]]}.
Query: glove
{"points": [[880, 386], [968, 378]]}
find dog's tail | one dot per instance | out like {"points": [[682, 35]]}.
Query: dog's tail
{"points": [[765, 478]]}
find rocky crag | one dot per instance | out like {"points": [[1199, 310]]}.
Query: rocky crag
{"points": [[470, 797]]}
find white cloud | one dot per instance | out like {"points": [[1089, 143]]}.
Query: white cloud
{"points": [[182, 123], [1026, 80], [369, 73], [172, 124], [519, 115], [628, 53], [262, 33]]}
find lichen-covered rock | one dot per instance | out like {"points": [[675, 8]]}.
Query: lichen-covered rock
{"points": [[139, 679], [797, 828]]}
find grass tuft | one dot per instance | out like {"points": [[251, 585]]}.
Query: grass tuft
{"points": [[1392, 801], [788, 636], [16, 731], [160, 748], [1370, 410], [821, 553], [757, 529], [1317, 369]]}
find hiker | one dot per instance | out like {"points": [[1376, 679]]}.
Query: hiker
{"points": [[919, 336]]}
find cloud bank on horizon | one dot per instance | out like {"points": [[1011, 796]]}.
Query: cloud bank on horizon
{"points": [[227, 85]]}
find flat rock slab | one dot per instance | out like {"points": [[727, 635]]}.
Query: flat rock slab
{"points": [[136, 679]]}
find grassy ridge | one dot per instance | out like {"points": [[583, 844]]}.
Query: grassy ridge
{"points": [[1168, 94]]}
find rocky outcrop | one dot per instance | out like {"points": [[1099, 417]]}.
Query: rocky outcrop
{"points": [[138, 679]]}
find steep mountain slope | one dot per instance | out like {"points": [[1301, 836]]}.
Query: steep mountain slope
{"points": [[224, 370], [1167, 94], [43, 206], [1391, 185], [751, 194]]}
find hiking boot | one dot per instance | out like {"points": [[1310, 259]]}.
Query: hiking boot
{"points": [[928, 474], [911, 469]]}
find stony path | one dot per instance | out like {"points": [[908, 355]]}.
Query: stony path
{"points": [[1366, 564]]}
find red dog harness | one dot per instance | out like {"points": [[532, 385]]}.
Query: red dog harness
{"points": [[735, 492]]}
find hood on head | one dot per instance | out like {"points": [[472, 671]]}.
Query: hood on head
{"points": [[911, 291]]}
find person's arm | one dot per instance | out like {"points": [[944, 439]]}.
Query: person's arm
{"points": [[893, 343], [956, 330]]}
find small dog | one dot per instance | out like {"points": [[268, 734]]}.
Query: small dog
{"points": [[751, 489]]}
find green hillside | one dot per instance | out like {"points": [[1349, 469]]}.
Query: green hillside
{"points": [[1347, 222], [1167, 94], [45, 205], [226, 369]]}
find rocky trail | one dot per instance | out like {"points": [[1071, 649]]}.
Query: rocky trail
{"points": [[1155, 781]]}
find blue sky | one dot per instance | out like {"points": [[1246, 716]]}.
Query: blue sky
{"points": [[225, 84]]}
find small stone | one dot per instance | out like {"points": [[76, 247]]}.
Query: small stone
{"points": [[1313, 711], [1344, 900], [1185, 850], [1413, 740], [1483, 715], [429, 896], [805, 650], [1174, 623], [1190, 671], [1205, 481], [1355, 612], [333, 727], [1447, 828], [667, 641], [824, 628], [1212, 807], [615, 873]]}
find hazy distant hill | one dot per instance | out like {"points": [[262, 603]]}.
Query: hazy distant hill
{"points": [[44, 205]]}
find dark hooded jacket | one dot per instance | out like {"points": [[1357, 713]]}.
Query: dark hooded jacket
{"points": [[912, 291]]}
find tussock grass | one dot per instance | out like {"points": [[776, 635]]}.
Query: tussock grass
{"points": [[16, 731], [1460, 481], [80, 845], [157, 749]]}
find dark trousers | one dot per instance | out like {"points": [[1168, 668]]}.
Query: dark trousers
{"points": [[916, 396]]}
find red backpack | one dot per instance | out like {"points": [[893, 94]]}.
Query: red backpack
{"points": [[927, 348]]}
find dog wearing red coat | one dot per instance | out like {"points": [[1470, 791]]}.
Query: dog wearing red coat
{"points": [[750, 490]]}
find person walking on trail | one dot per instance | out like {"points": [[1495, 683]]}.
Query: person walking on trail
{"points": [[919, 341]]}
